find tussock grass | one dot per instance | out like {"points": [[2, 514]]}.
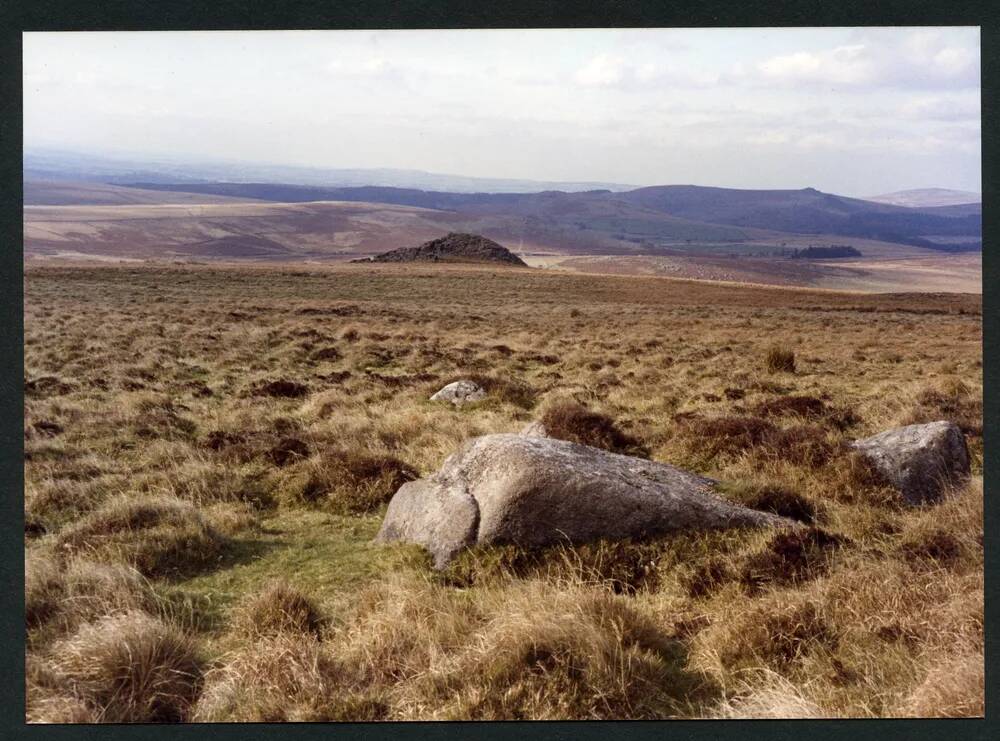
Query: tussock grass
{"points": [[568, 420], [348, 480], [128, 668], [625, 567], [952, 399], [153, 439], [803, 406], [279, 608], [767, 695], [580, 653], [281, 387], [956, 689], [776, 499], [50, 503], [426, 651], [60, 595], [159, 536], [47, 698], [506, 390], [803, 444], [779, 360], [286, 677]]}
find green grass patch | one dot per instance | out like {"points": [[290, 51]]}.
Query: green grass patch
{"points": [[327, 556]]}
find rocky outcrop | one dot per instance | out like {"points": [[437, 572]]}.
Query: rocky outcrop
{"points": [[919, 460], [453, 247], [535, 491], [460, 392]]}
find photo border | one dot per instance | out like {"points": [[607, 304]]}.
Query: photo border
{"points": [[17, 16]]}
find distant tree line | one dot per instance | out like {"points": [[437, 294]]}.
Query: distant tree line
{"points": [[834, 250], [811, 252]]}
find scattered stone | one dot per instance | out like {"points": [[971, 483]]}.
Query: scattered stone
{"points": [[533, 491], [919, 460], [460, 392]]}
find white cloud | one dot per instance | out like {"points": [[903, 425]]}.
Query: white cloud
{"points": [[849, 65], [955, 61], [601, 71], [941, 108], [768, 138], [609, 71], [819, 141], [919, 59], [367, 67], [832, 107]]}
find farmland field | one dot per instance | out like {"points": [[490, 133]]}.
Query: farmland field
{"points": [[209, 450]]}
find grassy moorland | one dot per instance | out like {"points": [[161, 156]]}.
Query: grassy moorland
{"points": [[209, 450]]}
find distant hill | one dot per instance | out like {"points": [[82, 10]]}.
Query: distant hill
{"points": [[313, 222], [660, 215], [52, 164], [69, 193], [591, 221], [809, 211], [454, 247], [962, 209], [928, 197]]}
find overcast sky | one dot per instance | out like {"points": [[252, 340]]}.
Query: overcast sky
{"points": [[851, 111]]}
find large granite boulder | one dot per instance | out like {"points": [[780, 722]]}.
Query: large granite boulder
{"points": [[534, 491], [460, 392], [919, 460]]}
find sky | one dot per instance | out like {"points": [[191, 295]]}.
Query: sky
{"points": [[855, 111]]}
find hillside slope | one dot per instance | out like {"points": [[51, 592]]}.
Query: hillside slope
{"points": [[71, 193], [806, 211], [661, 214]]}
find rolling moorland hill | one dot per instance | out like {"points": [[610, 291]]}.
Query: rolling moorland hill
{"points": [[928, 197], [68, 193], [53, 164], [638, 215], [453, 247], [806, 211], [681, 231]]}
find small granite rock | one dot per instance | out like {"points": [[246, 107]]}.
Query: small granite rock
{"points": [[919, 460], [460, 392]]}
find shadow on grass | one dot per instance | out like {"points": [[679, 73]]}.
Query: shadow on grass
{"points": [[207, 610], [688, 692]]}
